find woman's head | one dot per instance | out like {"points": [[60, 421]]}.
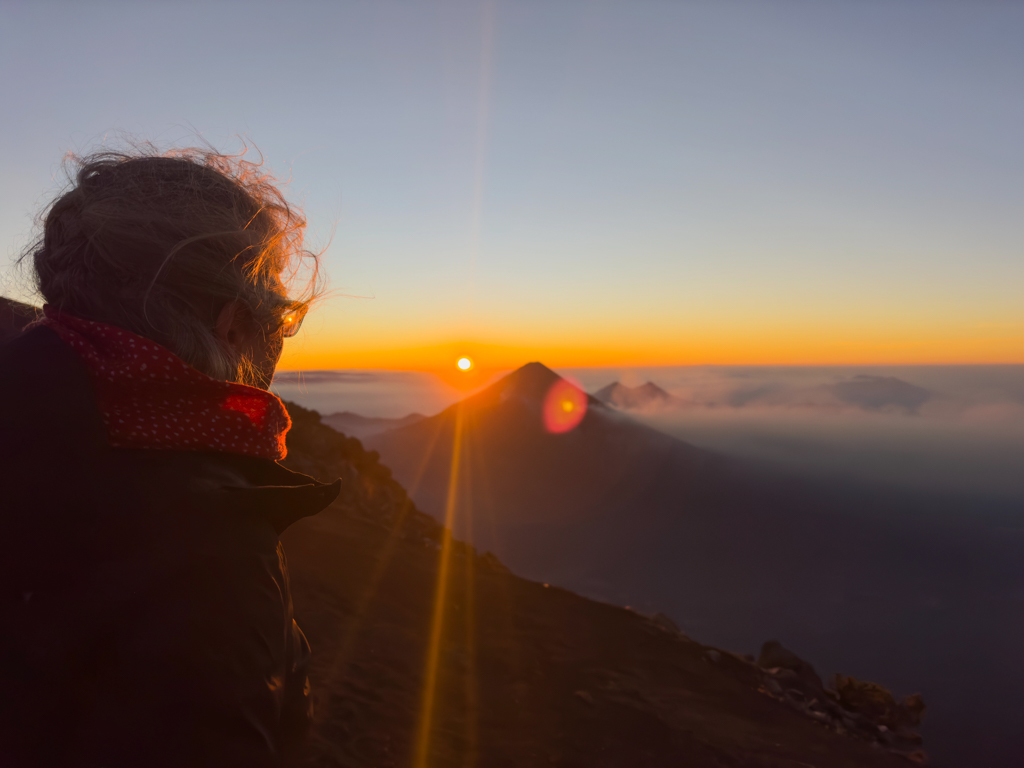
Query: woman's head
{"points": [[191, 248]]}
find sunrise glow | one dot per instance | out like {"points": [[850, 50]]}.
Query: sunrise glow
{"points": [[597, 342], [806, 343]]}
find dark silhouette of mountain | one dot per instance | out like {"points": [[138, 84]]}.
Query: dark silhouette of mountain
{"points": [[528, 674], [13, 317], [880, 392], [865, 392], [872, 393], [647, 397], [363, 426], [881, 583]]}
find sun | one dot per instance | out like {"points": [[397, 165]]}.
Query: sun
{"points": [[464, 363]]}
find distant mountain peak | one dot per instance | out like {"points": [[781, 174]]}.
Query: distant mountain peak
{"points": [[652, 389], [535, 365], [530, 382], [527, 386], [531, 374], [647, 396], [354, 425], [881, 392]]}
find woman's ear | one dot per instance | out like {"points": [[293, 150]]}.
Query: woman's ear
{"points": [[236, 326]]}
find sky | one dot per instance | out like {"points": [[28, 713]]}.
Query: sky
{"points": [[584, 183]]}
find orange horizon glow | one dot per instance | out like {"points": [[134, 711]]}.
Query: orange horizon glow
{"points": [[814, 348]]}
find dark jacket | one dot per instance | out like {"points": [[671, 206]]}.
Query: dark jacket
{"points": [[146, 618]]}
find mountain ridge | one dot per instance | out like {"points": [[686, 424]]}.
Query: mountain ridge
{"points": [[546, 676], [355, 425], [646, 397], [846, 572]]}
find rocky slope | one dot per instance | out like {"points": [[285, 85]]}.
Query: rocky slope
{"points": [[525, 674]]}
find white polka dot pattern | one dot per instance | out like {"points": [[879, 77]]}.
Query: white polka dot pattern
{"points": [[150, 398]]}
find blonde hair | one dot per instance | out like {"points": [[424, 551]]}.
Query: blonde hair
{"points": [[158, 242]]}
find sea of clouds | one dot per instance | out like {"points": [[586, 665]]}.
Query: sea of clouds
{"points": [[936, 427], [956, 428]]}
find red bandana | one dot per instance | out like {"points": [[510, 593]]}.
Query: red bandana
{"points": [[150, 398]]}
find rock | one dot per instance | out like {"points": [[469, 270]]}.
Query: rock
{"points": [[876, 703], [917, 756], [914, 705], [830, 706], [907, 735], [662, 621], [774, 654], [785, 676]]}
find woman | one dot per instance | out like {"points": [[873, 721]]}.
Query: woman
{"points": [[146, 615]]}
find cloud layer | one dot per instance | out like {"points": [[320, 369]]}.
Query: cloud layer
{"points": [[947, 428]]}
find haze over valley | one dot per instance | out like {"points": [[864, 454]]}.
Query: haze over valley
{"points": [[944, 427], [804, 506]]}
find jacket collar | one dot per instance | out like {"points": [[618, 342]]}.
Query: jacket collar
{"points": [[244, 485], [281, 496], [57, 410]]}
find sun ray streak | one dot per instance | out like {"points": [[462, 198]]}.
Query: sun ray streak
{"points": [[427, 707], [469, 611], [484, 515], [345, 647]]}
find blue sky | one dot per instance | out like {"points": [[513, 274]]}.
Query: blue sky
{"points": [[599, 182]]}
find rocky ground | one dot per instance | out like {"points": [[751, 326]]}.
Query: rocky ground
{"points": [[526, 674]]}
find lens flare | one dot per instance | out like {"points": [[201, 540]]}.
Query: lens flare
{"points": [[565, 405], [464, 363]]}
